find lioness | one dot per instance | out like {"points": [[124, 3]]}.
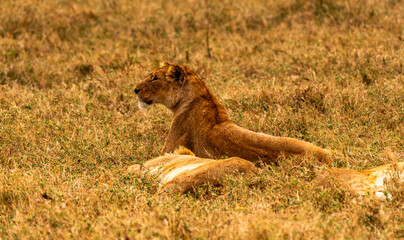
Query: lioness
{"points": [[181, 171], [371, 181], [202, 125]]}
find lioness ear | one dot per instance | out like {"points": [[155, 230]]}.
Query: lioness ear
{"points": [[176, 72], [165, 64]]}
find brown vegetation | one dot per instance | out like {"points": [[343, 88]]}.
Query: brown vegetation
{"points": [[327, 72]]}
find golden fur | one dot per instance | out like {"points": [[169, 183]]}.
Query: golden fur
{"points": [[181, 171], [366, 182], [202, 125]]}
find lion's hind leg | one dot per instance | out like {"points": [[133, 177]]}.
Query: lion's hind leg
{"points": [[211, 173]]}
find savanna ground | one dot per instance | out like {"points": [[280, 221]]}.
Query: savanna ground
{"points": [[329, 72]]}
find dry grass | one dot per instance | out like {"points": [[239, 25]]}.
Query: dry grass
{"points": [[329, 72]]}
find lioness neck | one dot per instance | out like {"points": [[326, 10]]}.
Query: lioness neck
{"points": [[198, 106], [195, 115]]}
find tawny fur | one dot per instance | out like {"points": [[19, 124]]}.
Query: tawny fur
{"points": [[182, 171], [370, 182], [201, 123]]}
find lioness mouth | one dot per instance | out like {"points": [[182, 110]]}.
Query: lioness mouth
{"points": [[144, 105]]}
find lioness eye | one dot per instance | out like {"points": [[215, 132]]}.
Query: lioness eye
{"points": [[155, 78]]}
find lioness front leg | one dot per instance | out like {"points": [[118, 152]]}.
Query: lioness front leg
{"points": [[173, 143]]}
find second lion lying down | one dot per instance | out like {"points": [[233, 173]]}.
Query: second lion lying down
{"points": [[181, 171]]}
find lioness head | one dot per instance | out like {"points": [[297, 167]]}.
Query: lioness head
{"points": [[161, 86]]}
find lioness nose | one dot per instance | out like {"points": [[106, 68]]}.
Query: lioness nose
{"points": [[137, 90]]}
